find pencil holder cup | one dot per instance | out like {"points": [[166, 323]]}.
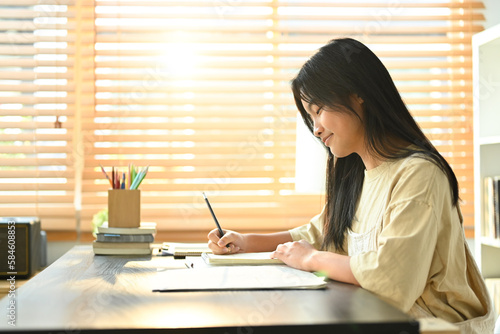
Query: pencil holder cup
{"points": [[124, 208]]}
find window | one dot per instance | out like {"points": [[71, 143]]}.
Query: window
{"points": [[199, 91], [37, 107]]}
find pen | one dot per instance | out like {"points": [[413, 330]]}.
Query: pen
{"points": [[213, 215]]}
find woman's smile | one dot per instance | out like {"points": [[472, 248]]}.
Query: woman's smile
{"points": [[325, 140]]}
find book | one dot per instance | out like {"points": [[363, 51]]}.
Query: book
{"points": [[491, 209], [123, 248], [145, 228], [488, 206], [181, 249], [217, 278], [260, 258], [124, 245], [496, 207], [112, 237], [121, 251]]}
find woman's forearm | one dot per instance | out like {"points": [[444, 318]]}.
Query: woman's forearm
{"points": [[333, 265], [256, 242]]}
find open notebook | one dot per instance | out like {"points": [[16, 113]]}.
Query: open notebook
{"points": [[240, 259], [217, 278]]}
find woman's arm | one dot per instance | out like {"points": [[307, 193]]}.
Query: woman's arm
{"points": [[246, 243], [266, 242], [302, 255], [297, 254]]}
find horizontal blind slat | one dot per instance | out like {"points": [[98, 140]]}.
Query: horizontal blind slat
{"points": [[233, 107]]}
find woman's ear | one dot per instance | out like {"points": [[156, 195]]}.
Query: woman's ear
{"points": [[359, 99], [356, 99]]}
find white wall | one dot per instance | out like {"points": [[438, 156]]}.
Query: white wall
{"points": [[491, 13], [492, 16]]}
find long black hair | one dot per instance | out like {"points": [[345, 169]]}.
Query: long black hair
{"points": [[341, 69]]}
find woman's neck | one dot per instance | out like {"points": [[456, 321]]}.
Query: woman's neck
{"points": [[371, 162]]}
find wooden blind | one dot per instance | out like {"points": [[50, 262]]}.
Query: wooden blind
{"points": [[199, 91], [37, 104]]}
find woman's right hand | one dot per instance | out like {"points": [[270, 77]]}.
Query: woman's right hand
{"points": [[231, 242]]}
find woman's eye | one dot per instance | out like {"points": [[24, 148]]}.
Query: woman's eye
{"points": [[318, 111]]}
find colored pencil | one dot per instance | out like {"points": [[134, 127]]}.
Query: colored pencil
{"points": [[107, 177]]}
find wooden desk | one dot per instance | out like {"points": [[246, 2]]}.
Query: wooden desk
{"points": [[82, 292], [5, 285]]}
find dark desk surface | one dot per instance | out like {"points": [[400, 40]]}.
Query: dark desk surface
{"points": [[82, 292]]}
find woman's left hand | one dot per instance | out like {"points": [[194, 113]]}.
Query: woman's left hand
{"points": [[296, 254]]}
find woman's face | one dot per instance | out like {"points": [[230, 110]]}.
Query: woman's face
{"points": [[338, 128]]}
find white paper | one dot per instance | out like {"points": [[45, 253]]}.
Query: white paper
{"points": [[237, 278], [240, 259]]}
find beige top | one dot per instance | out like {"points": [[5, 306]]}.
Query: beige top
{"points": [[407, 246]]}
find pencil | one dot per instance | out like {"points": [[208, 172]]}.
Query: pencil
{"points": [[106, 174], [213, 215], [132, 175], [138, 179], [129, 176]]}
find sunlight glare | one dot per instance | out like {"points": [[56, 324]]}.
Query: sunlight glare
{"points": [[178, 60]]}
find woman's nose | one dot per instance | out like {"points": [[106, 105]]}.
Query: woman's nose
{"points": [[318, 129]]}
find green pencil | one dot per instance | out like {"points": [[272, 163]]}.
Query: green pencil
{"points": [[138, 179]]}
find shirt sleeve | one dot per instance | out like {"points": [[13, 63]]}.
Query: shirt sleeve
{"points": [[398, 270], [311, 232]]}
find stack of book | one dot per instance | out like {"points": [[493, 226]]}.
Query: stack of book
{"points": [[491, 225], [124, 240]]}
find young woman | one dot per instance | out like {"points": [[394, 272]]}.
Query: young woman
{"points": [[392, 222]]}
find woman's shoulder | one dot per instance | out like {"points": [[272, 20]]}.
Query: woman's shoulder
{"points": [[419, 175], [417, 162], [417, 165]]}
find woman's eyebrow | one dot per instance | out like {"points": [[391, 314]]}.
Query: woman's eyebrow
{"points": [[310, 106]]}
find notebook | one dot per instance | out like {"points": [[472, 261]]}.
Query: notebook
{"points": [[240, 259]]}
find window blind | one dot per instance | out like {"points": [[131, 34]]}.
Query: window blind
{"points": [[37, 111], [199, 91]]}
